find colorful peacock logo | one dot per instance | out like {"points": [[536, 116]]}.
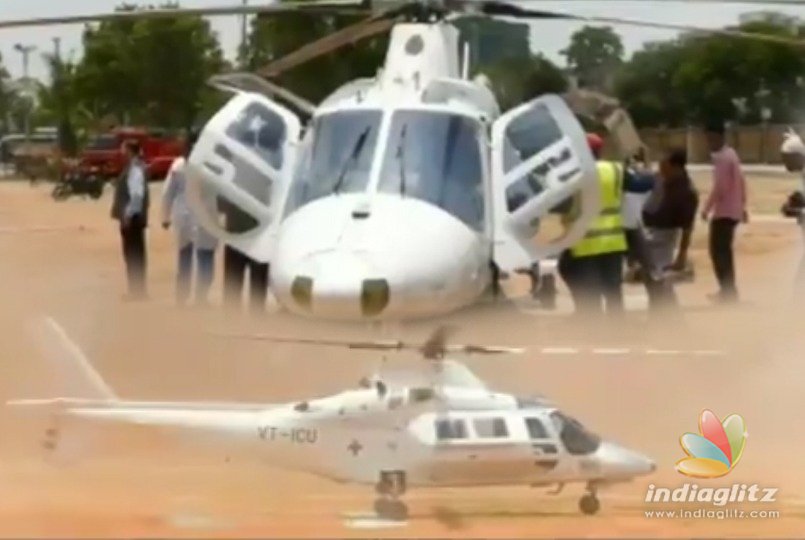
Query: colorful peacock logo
{"points": [[716, 450]]}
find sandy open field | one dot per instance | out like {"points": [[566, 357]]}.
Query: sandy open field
{"points": [[63, 260]]}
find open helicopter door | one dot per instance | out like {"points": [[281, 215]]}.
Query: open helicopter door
{"points": [[541, 165], [240, 170]]}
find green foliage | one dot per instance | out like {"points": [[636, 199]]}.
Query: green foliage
{"points": [[698, 79], [7, 97], [593, 56], [149, 71], [273, 37], [517, 80]]}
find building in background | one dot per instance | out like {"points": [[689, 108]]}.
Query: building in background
{"points": [[492, 40]]}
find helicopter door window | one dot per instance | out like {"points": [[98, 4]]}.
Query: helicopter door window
{"points": [[535, 428], [491, 428], [262, 131], [527, 136], [450, 429], [576, 439], [436, 157], [337, 156]]}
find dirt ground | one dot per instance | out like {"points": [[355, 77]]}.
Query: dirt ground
{"points": [[62, 260]]}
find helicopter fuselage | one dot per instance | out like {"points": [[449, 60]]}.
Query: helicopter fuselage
{"points": [[460, 437], [401, 194]]}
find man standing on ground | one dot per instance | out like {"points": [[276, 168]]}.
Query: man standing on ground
{"points": [[237, 264], [130, 209], [593, 268], [725, 208], [192, 240], [793, 152]]}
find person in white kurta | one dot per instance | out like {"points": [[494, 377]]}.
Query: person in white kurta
{"points": [[192, 241], [793, 152]]}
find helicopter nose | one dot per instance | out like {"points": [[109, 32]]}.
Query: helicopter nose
{"points": [[623, 462]]}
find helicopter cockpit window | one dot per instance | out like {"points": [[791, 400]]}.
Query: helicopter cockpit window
{"points": [[491, 428], [535, 429], [450, 429], [337, 155], [261, 130], [576, 439], [528, 135], [436, 157]]}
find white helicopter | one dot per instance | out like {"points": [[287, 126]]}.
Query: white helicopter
{"points": [[434, 427], [406, 195]]}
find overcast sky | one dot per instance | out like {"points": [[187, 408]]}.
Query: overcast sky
{"points": [[548, 37]]}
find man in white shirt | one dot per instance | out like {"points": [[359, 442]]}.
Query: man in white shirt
{"points": [[130, 209], [192, 241], [793, 152]]}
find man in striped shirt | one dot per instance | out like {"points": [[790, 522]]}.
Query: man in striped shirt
{"points": [[725, 208]]}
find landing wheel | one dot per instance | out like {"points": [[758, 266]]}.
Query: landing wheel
{"points": [[61, 192], [391, 509], [589, 504]]}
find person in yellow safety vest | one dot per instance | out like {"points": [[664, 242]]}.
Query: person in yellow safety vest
{"points": [[593, 268]]}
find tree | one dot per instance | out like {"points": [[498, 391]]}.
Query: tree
{"points": [[60, 102], [697, 79], [149, 71], [594, 55], [516, 80], [7, 97], [645, 86], [273, 37]]}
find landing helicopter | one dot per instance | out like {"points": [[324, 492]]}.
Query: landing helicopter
{"points": [[426, 425], [407, 195]]}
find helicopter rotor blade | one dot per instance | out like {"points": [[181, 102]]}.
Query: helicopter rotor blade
{"points": [[433, 349], [504, 9], [249, 82], [346, 36], [311, 6]]}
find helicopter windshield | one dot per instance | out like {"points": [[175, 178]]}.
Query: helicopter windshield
{"points": [[337, 156], [436, 157], [577, 440]]}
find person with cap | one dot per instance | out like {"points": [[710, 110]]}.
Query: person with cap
{"points": [[593, 267], [192, 241], [130, 209], [793, 153], [725, 208]]}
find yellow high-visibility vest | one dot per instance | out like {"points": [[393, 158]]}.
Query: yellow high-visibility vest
{"points": [[606, 233]]}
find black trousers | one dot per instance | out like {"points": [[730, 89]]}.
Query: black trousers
{"points": [[722, 235], [133, 240], [236, 264], [660, 291], [594, 281]]}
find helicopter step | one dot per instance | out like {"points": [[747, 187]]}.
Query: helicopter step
{"points": [[390, 487]]}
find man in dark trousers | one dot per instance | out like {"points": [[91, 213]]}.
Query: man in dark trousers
{"points": [[130, 209], [236, 264], [725, 209]]}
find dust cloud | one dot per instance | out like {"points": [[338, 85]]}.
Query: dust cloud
{"points": [[137, 482]]}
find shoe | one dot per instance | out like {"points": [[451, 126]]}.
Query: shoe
{"points": [[723, 298]]}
